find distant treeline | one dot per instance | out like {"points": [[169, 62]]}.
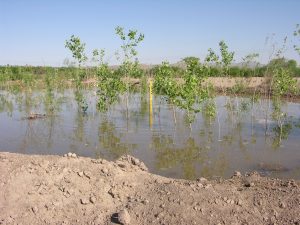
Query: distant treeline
{"points": [[14, 73]]}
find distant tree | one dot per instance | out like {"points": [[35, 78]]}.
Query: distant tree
{"points": [[283, 62], [292, 63]]}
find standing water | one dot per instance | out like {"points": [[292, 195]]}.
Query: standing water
{"points": [[242, 135]]}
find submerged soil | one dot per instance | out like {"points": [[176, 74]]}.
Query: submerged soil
{"points": [[77, 190]]}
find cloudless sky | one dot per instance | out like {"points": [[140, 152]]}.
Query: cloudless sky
{"points": [[34, 31]]}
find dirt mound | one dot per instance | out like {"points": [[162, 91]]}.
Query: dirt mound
{"points": [[77, 190]]}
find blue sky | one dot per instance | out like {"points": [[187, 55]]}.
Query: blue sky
{"points": [[34, 31]]}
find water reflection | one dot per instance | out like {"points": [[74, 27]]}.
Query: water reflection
{"points": [[111, 141], [231, 133], [168, 155]]}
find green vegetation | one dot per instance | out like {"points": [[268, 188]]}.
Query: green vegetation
{"points": [[188, 94], [181, 91], [185, 85], [192, 92], [37, 73], [77, 48]]}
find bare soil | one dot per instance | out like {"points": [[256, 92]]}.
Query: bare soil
{"points": [[225, 85], [77, 190]]}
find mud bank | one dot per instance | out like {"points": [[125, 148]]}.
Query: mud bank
{"points": [[77, 190]]}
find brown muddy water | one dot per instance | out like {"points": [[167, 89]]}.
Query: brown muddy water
{"points": [[238, 138]]}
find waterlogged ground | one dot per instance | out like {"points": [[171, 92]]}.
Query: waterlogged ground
{"points": [[238, 138]]}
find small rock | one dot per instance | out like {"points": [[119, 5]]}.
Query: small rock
{"points": [[237, 174], [130, 199], [97, 161], [30, 192], [202, 179], [145, 202], [230, 201], [87, 174], [240, 202], [208, 186], [135, 161], [69, 154], [73, 155], [200, 185], [67, 194], [104, 170], [34, 209], [93, 199], [67, 179], [122, 165], [160, 215], [80, 173], [217, 201], [84, 201], [282, 205], [49, 206], [249, 184], [275, 213], [124, 217], [112, 193]]}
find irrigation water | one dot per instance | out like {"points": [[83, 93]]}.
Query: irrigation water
{"points": [[241, 136]]}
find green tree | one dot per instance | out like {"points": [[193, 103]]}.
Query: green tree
{"points": [[227, 57], [130, 41], [192, 93], [77, 48]]}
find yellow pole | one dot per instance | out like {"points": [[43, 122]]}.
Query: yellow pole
{"points": [[150, 104]]}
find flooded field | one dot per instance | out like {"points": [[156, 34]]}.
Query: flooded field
{"points": [[243, 135]]}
